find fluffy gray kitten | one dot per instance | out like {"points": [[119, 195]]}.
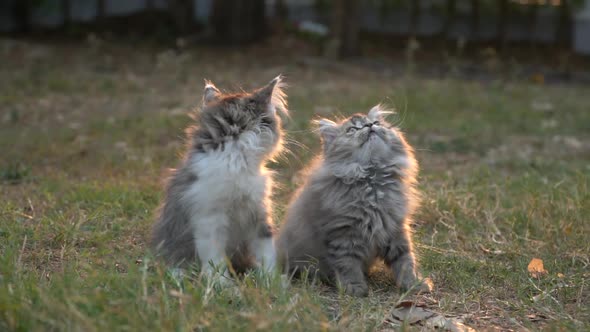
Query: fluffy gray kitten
{"points": [[355, 206], [217, 203]]}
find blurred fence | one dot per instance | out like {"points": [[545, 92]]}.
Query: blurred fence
{"points": [[537, 21]]}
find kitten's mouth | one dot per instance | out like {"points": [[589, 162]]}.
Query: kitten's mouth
{"points": [[372, 135]]}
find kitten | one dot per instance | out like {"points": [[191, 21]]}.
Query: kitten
{"points": [[217, 203], [355, 206]]}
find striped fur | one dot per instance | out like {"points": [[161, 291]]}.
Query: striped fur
{"points": [[355, 206], [217, 203]]}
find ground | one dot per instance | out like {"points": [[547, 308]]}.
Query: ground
{"points": [[88, 131]]}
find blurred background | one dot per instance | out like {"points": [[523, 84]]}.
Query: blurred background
{"points": [[339, 28], [493, 95], [110, 82]]}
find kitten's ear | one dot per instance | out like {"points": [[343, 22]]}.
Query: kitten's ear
{"points": [[210, 93], [273, 94], [264, 94], [377, 113], [328, 130]]}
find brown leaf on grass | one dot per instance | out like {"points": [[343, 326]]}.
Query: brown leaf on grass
{"points": [[417, 314], [411, 313], [538, 78], [447, 324], [536, 269], [537, 317], [179, 295], [491, 251]]}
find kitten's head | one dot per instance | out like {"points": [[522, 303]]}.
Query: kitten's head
{"points": [[247, 121], [366, 140]]}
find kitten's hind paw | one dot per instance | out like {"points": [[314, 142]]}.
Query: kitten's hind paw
{"points": [[357, 289], [421, 286], [177, 274], [223, 280], [426, 286], [218, 280]]}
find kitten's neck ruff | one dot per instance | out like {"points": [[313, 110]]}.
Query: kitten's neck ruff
{"points": [[373, 173], [232, 158], [249, 148]]}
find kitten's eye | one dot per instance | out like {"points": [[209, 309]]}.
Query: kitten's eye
{"points": [[377, 123], [351, 130]]}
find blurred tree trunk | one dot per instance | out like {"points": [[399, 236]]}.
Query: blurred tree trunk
{"points": [[66, 12], [563, 33], [474, 22], [100, 9], [503, 21], [21, 11], [280, 17], [532, 22], [414, 18], [281, 10], [449, 18], [345, 28], [183, 13], [238, 21]]}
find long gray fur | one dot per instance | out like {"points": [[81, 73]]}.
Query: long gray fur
{"points": [[222, 179], [355, 206]]}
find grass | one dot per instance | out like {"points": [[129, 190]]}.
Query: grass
{"points": [[87, 134]]}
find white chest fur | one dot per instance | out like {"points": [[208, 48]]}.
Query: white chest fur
{"points": [[224, 178], [226, 204]]}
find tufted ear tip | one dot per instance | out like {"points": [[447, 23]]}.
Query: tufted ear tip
{"points": [[274, 87], [210, 92], [324, 123], [328, 130], [276, 80], [272, 94]]}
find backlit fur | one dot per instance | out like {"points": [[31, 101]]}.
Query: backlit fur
{"points": [[355, 206], [217, 203]]}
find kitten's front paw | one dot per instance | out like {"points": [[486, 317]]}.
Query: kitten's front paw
{"points": [[424, 286], [224, 280], [357, 289], [419, 286], [177, 274], [285, 281], [218, 279]]}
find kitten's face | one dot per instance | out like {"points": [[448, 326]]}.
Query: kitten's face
{"points": [[363, 139], [248, 120]]}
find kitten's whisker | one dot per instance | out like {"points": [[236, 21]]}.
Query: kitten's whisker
{"points": [[301, 131], [359, 193], [403, 113], [296, 143], [225, 144]]}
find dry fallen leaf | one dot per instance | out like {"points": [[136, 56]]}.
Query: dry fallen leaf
{"points": [[536, 317], [407, 311], [536, 269], [179, 295], [538, 78], [417, 314], [447, 324], [490, 251]]}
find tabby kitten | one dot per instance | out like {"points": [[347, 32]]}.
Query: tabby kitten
{"points": [[217, 203], [355, 206]]}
